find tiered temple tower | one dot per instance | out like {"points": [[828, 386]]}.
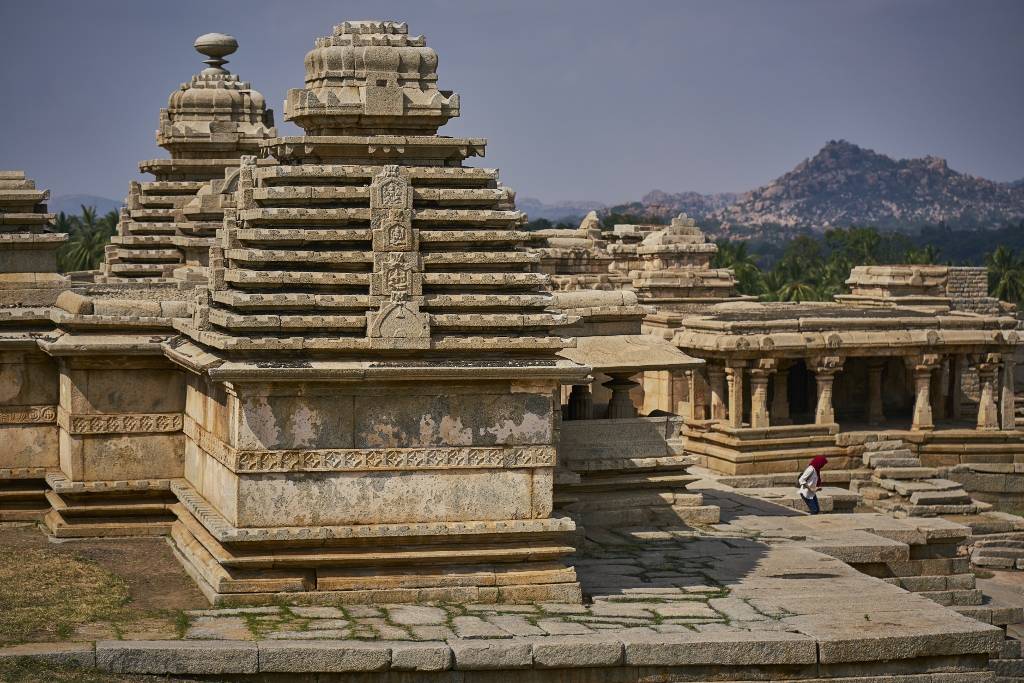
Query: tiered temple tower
{"points": [[29, 284], [372, 404], [208, 124]]}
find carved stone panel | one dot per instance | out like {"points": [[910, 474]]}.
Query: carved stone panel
{"points": [[13, 415]]}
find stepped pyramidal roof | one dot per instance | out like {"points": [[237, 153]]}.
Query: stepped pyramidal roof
{"points": [[29, 281], [369, 233], [207, 125]]}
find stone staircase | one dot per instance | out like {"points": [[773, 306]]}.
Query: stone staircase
{"points": [[1008, 665], [999, 551], [902, 487]]}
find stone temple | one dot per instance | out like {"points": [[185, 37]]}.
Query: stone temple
{"points": [[395, 435]]}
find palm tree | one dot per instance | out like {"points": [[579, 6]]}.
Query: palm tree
{"points": [[773, 283], [64, 223], [1005, 275], [799, 290], [927, 255], [734, 256], [86, 241]]}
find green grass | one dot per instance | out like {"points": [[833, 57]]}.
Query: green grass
{"points": [[47, 594]]}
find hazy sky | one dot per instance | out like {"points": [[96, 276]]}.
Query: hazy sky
{"points": [[584, 99]]}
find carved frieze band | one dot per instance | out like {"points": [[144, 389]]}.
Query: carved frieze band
{"points": [[120, 424], [369, 459], [27, 415]]}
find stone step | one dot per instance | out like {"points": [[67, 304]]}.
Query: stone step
{"points": [[993, 562], [1010, 649], [1010, 539], [1013, 668], [921, 584], [949, 598], [886, 445], [998, 543], [939, 510], [940, 498], [906, 472], [885, 461], [991, 551], [873, 493], [944, 484], [997, 616]]}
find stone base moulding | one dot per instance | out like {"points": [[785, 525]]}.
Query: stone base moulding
{"points": [[109, 509], [497, 562], [23, 494], [28, 446]]}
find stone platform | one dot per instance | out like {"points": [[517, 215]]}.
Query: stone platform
{"points": [[663, 604]]}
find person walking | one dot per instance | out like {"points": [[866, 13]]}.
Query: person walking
{"points": [[810, 482]]}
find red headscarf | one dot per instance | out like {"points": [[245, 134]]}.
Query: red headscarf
{"points": [[817, 463]]}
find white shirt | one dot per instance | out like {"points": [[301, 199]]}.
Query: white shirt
{"points": [[809, 482]]}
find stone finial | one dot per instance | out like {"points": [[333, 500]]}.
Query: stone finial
{"points": [[216, 46], [371, 77], [215, 113]]}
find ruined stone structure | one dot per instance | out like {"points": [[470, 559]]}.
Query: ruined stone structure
{"points": [[29, 284], [373, 362], [575, 259]]}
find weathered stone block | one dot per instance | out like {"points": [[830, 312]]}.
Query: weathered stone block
{"points": [[177, 657], [327, 656]]}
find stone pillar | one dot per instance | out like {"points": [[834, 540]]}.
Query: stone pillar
{"points": [[716, 378], [734, 375], [988, 413], [759, 417], [621, 405], [825, 370], [1007, 404], [581, 403], [780, 398], [876, 411], [681, 392], [695, 406], [936, 388], [955, 393], [923, 368]]}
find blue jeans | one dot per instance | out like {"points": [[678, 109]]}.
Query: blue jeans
{"points": [[812, 504]]}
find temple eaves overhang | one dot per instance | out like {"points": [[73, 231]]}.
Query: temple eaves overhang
{"points": [[794, 329]]}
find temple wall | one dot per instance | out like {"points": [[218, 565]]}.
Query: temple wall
{"points": [[373, 452], [28, 400], [120, 418]]}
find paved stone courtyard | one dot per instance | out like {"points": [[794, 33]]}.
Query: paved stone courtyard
{"points": [[665, 597]]}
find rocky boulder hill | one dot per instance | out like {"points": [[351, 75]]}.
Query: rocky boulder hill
{"points": [[660, 207], [845, 185]]}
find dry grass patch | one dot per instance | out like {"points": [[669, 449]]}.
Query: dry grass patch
{"points": [[45, 594]]}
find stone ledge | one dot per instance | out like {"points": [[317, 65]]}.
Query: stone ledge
{"points": [[177, 657], [327, 656], [59, 654]]}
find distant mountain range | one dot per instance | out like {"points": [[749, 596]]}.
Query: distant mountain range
{"points": [[570, 210], [844, 185], [72, 204]]}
